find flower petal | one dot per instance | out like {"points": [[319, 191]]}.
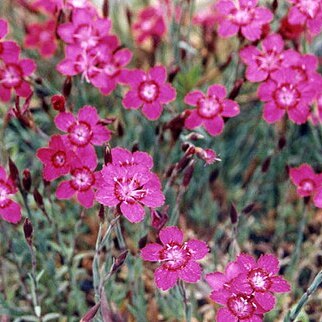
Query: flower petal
{"points": [[165, 279], [191, 273], [151, 252], [171, 234], [198, 248], [133, 212]]}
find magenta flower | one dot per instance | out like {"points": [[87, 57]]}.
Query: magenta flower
{"points": [[86, 29], [177, 258], [261, 279], [83, 180], [284, 94], [130, 188], [260, 64], [149, 90], [42, 37], [125, 158], [57, 158], [308, 183], [8, 49], [12, 75], [211, 108], [150, 24], [308, 13], [10, 210], [84, 129], [246, 288], [243, 16]]}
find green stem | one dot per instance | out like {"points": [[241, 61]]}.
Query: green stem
{"points": [[292, 314], [186, 303]]}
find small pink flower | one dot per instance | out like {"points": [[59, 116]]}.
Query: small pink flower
{"points": [[130, 188], [150, 24], [57, 158], [308, 183], [3, 28], [51, 6], [211, 108], [10, 210], [283, 93], [9, 50], [260, 64], [149, 90], [83, 180], [206, 18], [177, 258], [308, 13], [261, 279], [42, 37], [244, 16], [86, 29], [84, 129], [125, 158], [13, 72]]}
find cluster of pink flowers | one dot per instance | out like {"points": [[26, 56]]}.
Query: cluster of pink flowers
{"points": [[13, 69], [128, 183], [54, 6], [92, 51], [10, 210], [210, 109], [308, 183], [307, 13], [290, 82], [75, 155], [246, 288], [178, 258]]}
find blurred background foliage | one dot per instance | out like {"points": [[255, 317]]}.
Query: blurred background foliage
{"points": [[253, 175]]}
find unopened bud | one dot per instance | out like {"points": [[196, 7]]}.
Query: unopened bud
{"points": [[14, 172], [266, 164], [101, 213], [90, 314], [26, 179], [107, 155], [135, 147], [194, 136], [281, 142], [119, 261], [143, 241], [248, 209], [67, 87], [183, 162], [28, 231], [39, 199], [58, 102], [236, 89], [233, 214], [105, 8], [187, 176], [159, 218]]}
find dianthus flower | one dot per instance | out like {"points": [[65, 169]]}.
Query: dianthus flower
{"points": [[308, 183], [308, 13], [150, 24], [246, 288], [53, 6], [124, 158], [86, 29], [261, 63], [84, 129], [210, 109], [283, 93], [207, 18], [10, 210], [177, 258], [130, 188], [84, 180], [56, 158], [8, 49], [244, 16], [149, 90], [42, 37]]}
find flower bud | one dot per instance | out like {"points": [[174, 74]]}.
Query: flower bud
{"points": [[67, 87], [159, 218], [26, 179], [119, 261], [14, 172], [58, 102], [233, 214], [28, 231]]}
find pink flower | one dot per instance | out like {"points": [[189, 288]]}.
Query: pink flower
{"points": [[246, 288], [177, 258], [12, 74], [244, 16], [83, 180], [206, 18], [125, 158], [308, 183], [8, 49], [86, 29], [130, 188], [260, 64], [51, 6], [84, 129], [42, 37], [150, 24], [211, 108], [57, 158], [261, 279], [308, 13], [283, 93], [149, 90], [10, 210]]}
